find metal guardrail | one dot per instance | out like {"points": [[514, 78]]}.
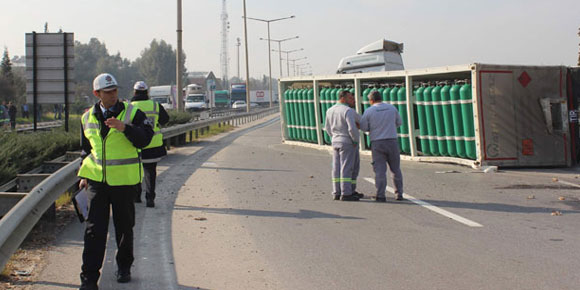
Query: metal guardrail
{"points": [[20, 219]]}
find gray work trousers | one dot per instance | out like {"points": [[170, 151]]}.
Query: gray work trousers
{"points": [[355, 169], [343, 164], [386, 151]]}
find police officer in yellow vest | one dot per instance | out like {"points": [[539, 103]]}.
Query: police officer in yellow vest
{"points": [[153, 152], [112, 133]]}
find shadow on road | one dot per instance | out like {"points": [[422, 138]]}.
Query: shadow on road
{"points": [[302, 214]]}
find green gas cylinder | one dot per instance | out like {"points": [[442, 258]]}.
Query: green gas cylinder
{"points": [[438, 116], [365, 98], [393, 97], [428, 98], [312, 117], [422, 117], [299, 117], [288, 113], [457, 120], [402, 98], [387, 93], [304, 105], [448, 120], [467, 114], [322, 106]]}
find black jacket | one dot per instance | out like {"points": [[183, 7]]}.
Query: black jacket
{"points": [[153, 154], [139, 132]]}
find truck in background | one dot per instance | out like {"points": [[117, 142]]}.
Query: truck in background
{"points": [[262, 97], [195, 98], [237, 92], [381, 55], [164, 95], [221, 99]]}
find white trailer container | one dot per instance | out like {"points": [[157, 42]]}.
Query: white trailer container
{"points": [[262, 97], [518, 114], [164, 95]]}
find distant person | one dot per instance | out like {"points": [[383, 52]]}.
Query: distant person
{"points": [[3, 114], [57, 111], [340, 124], [381, 120], [25, 111], [12, 114], [112, 134], [153, 152]]}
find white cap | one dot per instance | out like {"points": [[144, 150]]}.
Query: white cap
{"points": [[140, 86], [105, 82]]}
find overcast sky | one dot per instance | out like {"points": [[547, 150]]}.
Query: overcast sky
{"points": [[435, 33]]}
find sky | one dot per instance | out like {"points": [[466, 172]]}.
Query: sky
{"points": [[434, 33]]}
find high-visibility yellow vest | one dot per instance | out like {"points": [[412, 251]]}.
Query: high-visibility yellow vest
{"points": [[151, 109], [113, 159]]}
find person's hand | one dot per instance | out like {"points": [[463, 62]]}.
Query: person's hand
{"points": [[83, 184], [115, 123]]}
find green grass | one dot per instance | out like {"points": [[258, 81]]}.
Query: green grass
{"points": [[213, 130]]}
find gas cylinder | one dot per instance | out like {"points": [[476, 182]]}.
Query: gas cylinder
{"points": [[448, 120], [427, 97], [402, 98], [467, 114], [457, 120], [387, 93], [312, 117], [422, 117], [289, 113], [438, 117]]}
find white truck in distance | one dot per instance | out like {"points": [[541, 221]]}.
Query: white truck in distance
{"points": [[195, 98], [164, 95], [262, 97]]}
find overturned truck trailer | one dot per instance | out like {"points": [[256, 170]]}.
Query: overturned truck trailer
{"points": [[476, 114]]}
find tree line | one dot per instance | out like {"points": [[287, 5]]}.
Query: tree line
{"points": [[155, 65]]}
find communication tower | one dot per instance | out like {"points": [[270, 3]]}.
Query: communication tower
{"points": [[224, 51]]}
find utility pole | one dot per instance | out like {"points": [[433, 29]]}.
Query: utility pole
{"points": [[224, 54], [247, 61], [179, 57], [238, 45]]}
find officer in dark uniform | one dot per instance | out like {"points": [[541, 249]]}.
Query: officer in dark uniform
{"points": [[112, 133], [153, 152]]}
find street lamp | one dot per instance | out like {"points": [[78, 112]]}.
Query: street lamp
{"points": [[280, 47], [269, 54], [294, 63], [287, 56]]}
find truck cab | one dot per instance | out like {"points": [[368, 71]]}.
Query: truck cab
{"points": [[381, 55], [196, 99]]}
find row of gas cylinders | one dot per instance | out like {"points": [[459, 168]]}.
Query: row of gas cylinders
{"points": [[299, 107], [444, 113]]}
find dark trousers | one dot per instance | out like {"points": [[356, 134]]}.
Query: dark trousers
{"points": [[102, 198], [149, 176]]}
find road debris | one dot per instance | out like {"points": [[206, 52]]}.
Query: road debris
{"points": [[555, 179], [556, 213], [447, 171], [531, 196], [200, 219], [561, 198]]}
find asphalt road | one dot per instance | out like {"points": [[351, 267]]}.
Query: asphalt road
{"points": [[243, 211]]}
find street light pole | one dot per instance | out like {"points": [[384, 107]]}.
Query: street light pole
{"points": [[280, 47], [238, 45], [269, 49], [247, 61], [179, 62], [288, 52]]}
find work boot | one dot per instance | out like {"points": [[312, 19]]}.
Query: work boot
{"points": [[123, 276], [399, 196], [337, 197], [349, 198], [89, 286], [150, 203], [380, 199], [360, 195]]}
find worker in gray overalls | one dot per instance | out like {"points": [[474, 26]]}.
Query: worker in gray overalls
{"points": [[381, 121], [340, 124]]}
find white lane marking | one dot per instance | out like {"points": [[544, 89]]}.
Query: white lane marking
{"points": [[431, 207], [209, 164], [569, 183]]}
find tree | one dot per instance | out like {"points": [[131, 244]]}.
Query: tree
{"points": [[156, 65], [6, 66]]}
